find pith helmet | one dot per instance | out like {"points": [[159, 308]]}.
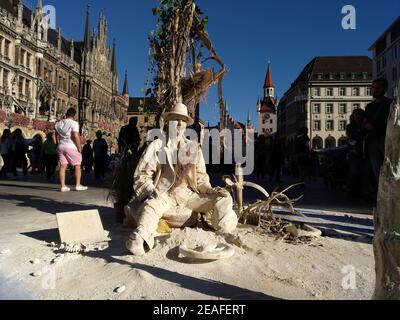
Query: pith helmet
{"points": [[178, 112]]}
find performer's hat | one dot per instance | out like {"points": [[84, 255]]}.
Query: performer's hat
{"points": [[178, 112]]}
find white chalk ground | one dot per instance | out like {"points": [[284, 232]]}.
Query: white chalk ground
{"points": [[262, 268]]}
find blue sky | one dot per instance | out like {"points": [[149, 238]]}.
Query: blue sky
{"points": [[246, 35]]}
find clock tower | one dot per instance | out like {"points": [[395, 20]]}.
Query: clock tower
{"points": [[267, 107]]}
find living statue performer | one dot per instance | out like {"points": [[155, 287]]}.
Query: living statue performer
{"points": [[171, 183]]}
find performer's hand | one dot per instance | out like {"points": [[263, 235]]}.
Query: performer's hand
{"points": [[222, 192]]}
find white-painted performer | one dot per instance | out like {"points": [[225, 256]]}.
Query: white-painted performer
{"points": [[171, 177]]}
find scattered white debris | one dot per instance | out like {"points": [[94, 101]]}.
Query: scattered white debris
{"points": [[120, 289], [62, 246], [36, 274], [58, 259], [7, 251], [53, 244], [75, 248]]}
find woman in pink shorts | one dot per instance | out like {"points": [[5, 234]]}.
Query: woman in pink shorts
{"points": [[69, 149]]}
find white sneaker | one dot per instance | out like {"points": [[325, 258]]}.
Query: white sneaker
{"points": [[65, 189], [135, 245], [81, 188]]}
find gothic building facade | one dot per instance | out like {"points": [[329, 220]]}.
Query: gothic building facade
{"points": [[42, 74]]}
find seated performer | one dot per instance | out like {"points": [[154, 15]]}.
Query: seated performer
{"points": [[167, 186]]}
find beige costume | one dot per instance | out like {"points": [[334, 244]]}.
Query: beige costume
{"points": [[168, 190]]}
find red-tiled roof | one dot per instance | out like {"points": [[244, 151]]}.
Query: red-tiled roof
{"points": [[268, 105]]}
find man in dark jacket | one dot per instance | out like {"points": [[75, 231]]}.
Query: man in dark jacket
{"points": [[375, 124], [129, 137]]}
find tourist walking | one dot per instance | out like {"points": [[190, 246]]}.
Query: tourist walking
{"points": [[69, 149], [355, 157], [100, 149], [49, 155], [5, 150], [35, 155], [87, 156], [20, 148]]}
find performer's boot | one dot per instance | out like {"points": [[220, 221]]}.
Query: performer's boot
{"points": [[135, 245]]}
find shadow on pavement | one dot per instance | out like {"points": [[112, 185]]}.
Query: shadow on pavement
{"points": [[48, 236], [51, 206]]}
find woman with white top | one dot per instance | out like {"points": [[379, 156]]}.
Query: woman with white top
{"points": [[69, 149]]}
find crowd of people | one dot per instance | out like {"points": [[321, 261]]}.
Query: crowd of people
{"points": [[63, 148], [358, 163]]}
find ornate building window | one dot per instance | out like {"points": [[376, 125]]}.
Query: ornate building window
{"points": [[5, 78], [51, 76], [343, 108], [45, 71], [342, 125], [28, 88], [329, 108], [317, 108], [342, 92], [22, 57], [7, 45], [356, 92], [59, 85], [28, 60], [330, 125], [317, 92], [329, 92], [21, 86], [317, 125]]}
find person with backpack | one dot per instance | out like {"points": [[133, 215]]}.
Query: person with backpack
{"points": [[69, 149]]}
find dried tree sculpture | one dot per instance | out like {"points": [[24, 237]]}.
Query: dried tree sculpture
{"points": [[177, 44]]}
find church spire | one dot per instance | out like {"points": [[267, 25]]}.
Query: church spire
{"points": [[86, 41], [268, 79], [125, 91], [269, 89]]}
